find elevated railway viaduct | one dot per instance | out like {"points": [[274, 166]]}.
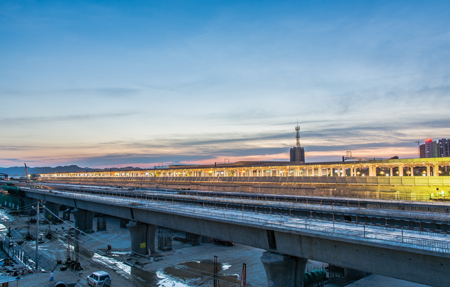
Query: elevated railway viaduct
{"points": [[423, 259], [407, 179]]}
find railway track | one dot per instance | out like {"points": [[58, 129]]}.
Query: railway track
{"points": [[408, 215]]}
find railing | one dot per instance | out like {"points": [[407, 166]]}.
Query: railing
{"points": [[24, 254], [389, 236], [344, 180]]}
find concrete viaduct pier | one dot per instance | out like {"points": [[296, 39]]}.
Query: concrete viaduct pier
{"points": [[142, 237], [289, 242]]}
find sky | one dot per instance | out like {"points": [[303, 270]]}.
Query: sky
{"points": [[145, 83]]}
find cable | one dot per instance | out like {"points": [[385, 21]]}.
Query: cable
{"points": [[167, 264], [81, 232], [92, 249]]}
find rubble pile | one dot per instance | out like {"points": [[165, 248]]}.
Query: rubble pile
{"points": [[9, 268]]}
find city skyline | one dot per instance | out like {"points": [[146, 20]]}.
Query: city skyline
{"points": [[148, 83]]}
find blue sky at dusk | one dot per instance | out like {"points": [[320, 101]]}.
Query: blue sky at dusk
{"points": [[142, 83]]}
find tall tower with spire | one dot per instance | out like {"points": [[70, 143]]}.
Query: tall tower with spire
{"points": [[297, 129], [297, 153]]}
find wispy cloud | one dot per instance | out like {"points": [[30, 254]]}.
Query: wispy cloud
{"points": [[81, 117], [109, 92]]}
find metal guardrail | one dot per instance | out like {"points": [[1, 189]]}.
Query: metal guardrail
{"points": [[343, 180], [391, 236], [393, 195], [24, 255]]}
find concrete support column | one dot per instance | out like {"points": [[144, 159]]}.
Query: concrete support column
{"points": [[283, 270], [164, 239], [66, 214], [428, 170], [123, 223], [436, 170], [411, 171], [142, 237], [192, 239], [319, 171], [391, 171], [84, 220], [400, 170], [53, 209], [101, 223]]}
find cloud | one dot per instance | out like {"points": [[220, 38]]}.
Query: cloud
{"points": [[81, 117], [134, 159], [107, 92], [11, 159], [110, 92]]}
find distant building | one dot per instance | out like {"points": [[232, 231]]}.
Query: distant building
{"points": [[443, 148], [297, 153], [428, 149]]}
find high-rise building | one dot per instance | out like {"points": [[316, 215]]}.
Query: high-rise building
{"points": [[297, 153], [428, 149], [443, 148]]}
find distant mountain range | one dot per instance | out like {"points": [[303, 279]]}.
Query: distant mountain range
{"points": [[18, 171]]}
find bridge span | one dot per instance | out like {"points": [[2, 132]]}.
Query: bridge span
{"points": [[413, 255]]}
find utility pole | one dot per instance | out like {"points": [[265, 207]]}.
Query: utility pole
{"points": [[37, 236], [216, 272], [244, 276]]}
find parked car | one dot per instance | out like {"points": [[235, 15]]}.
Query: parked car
{"points": [[99, 278]]}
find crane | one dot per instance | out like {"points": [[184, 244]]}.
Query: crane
{"points": [[418, 145], [26, 171]]}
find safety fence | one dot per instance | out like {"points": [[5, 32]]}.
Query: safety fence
{"points": [[341, 180], [24, 254]]}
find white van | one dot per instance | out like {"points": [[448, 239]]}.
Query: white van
{"points": [[99, 278]]}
